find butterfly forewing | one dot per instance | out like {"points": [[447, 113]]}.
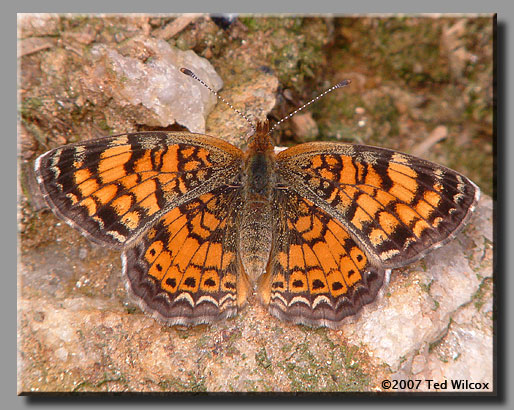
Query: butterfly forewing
{"points": [[113, 189], [396, 206]]}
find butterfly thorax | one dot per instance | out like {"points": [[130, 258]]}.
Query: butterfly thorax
{"points": [[255, 233]]}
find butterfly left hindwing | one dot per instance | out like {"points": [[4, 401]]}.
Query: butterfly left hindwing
{"points": [[186, 269]]}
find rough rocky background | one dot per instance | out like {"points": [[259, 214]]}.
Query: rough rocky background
{"points": [[420, 85]]}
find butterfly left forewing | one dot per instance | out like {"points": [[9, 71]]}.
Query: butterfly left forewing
{"points": [[113, 189]]}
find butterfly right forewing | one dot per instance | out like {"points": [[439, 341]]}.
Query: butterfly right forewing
{"points": [[396, 206]]}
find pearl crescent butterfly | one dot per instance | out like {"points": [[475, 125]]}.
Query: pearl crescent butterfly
{"points": [[203, 225]]}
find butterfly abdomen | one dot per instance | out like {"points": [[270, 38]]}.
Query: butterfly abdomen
{"points": [[255, 219]]}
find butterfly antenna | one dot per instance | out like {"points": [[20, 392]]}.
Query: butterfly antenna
{"points": [[188, 72], [335, 87]]}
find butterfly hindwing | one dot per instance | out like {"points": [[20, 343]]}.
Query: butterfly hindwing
{"points": [[186, 269], [317, 274]]}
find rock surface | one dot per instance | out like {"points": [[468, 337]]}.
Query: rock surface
{"points": [[158, 84]]}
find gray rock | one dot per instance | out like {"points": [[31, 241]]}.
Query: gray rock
{"points": [[159, 85]]}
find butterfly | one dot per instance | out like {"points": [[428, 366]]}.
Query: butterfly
{"points": [[203, 226]]}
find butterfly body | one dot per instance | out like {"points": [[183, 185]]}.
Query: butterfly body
{"points": [[258, 189], [203, 225]]}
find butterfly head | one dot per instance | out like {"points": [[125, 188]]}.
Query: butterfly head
{"points": [[261, 141]]}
